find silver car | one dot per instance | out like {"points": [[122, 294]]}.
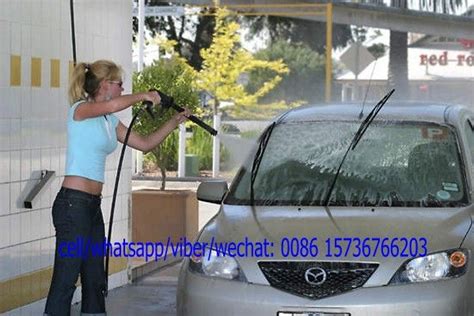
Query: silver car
{"points": [[335, 215]]}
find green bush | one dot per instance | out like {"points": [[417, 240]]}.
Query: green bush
{"points": [[200, 144], [175, 78]]}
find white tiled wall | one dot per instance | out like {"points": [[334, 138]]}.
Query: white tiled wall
{"points": [[33, 124]]}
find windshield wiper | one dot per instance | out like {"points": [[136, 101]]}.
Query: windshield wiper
{"points": [[368, 120], [258, 158], [357, 137]]}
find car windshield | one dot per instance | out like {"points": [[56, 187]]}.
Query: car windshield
{"points": [[395, 164]]}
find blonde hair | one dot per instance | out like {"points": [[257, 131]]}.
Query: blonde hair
{"points": [[86, 78]]}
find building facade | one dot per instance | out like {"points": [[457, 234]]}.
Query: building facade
{"points": [[35, 63], [441, 72]]}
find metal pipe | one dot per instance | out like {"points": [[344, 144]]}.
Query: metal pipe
{"points": [[141, 33], [328, 90]]}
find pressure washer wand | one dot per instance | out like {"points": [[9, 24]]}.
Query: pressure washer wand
{"points": [[168, 102], [196, 120]]}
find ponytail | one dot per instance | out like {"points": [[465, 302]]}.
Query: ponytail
{"points": [[76, 88], [86, 78]]}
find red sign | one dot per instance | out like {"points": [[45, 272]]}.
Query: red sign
{"points": [[443, 60]]}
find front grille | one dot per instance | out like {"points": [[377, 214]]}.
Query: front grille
{"points": [[289, 276]]}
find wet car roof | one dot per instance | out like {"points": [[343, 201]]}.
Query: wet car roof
{"points": [[392, 110]]}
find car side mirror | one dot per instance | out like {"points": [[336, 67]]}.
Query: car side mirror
{"points": [[212, 191]]}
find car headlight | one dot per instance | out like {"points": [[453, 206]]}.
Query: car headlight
{"points": [[215, 264], [437, 266]]}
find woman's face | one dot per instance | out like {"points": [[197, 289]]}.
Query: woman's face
{"points": [[114, 88]]}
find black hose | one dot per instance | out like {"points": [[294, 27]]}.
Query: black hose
{"points": [[114, 197], [73, 32]]}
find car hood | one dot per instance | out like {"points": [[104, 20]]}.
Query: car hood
{"points": [[443, 228]]}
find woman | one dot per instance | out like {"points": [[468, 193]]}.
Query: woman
{"points": [[93, 131]]}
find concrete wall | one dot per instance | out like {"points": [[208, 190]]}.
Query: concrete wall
{"points": [[35, 62]]}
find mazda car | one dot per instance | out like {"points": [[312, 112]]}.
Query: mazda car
{"points": [[342, 210]]}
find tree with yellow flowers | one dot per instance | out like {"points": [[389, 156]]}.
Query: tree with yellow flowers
{"points": [[225, 61]]}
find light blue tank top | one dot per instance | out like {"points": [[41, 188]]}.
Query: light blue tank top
{"points": [[89, 143]]}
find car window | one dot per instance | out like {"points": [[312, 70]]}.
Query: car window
{"points": [[394, 164]]}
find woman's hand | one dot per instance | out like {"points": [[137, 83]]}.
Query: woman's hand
{"points": [[181, 116], [153, 97]]}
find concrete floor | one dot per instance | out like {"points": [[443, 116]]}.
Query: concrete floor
{"points": [[154, 294]]}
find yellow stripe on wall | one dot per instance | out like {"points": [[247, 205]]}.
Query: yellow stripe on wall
{"points": [[55, 76], [25, 289], [35, 72], [15, 70], [30, 287]]}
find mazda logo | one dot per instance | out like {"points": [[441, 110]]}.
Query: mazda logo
{"points": [[315, 276]]}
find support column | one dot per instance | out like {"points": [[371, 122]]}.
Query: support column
{"points": [[216, 146], [182, 151]]}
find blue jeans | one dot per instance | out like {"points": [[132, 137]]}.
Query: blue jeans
{"points": [[77, 216]]}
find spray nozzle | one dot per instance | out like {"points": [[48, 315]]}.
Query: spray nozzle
{"points": [[166, 100]]}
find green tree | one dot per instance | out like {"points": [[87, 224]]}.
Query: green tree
{"points": [[191, 33], [194, 32], [173, 77], [377, 50], [297, 31], [305, 80], [224, 62], [359, 34]]}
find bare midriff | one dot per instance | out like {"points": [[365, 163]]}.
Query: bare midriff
{"points": [[82, 184]]}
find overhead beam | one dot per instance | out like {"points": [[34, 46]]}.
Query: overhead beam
{"points": [[404, 20], [359, 14]]}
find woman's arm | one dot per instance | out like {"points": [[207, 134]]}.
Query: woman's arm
{"points": [[94, 109], [147, 143]]}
